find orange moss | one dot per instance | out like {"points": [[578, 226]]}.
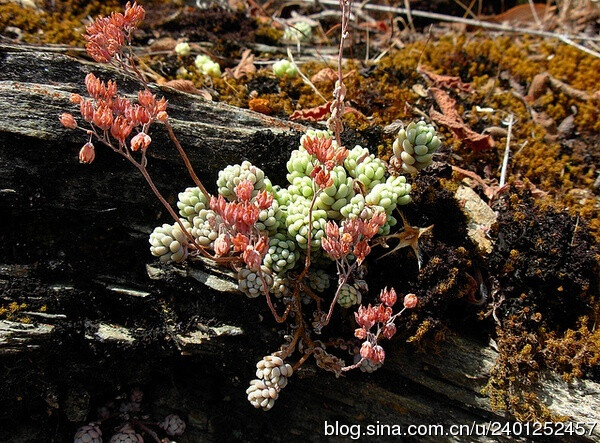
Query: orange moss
{"points": [[65, 24]]}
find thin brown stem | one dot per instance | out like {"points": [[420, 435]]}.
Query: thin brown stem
{"points": [[186, 160], [289, 348], [309, 235], [278, 318], [302, 360], [342, 282]]}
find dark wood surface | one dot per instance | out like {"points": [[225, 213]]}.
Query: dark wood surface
{"points": [[104, 316]]}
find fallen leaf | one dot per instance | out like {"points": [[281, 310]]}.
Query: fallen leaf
{"points": [[163, 44], [444, 81], [329, 75], [319, 113], [245, 66], [451, 119], [541, 81], [324, 75], [521, 14], [316, 114], [187, 86]]}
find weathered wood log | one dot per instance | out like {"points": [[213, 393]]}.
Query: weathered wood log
{"points": [[95, 314]]}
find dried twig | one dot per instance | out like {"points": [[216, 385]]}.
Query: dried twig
{"points": [[506, 152], [467, 21]]}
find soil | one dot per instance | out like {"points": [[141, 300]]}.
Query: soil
{"points": [[536, 293]]}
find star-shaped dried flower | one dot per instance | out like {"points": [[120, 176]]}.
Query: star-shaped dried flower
{"points": [[409, 237]]}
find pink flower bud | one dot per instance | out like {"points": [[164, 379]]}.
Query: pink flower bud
{"points": [[76, 98], [410, 301], [68, 121], [240, 242], [360, 333], [87, 153], [378, 354], [243, 191], [389, 330], [87, 110], [162, 116], [366, 350], [264, 199], [222, 245], [388, 297], [252, 258], [140, 141], [103, 117]]}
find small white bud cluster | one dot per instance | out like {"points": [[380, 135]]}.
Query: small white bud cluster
{"points": [[173, 425], [207, 66], [415, 146], [250, 283], [349, 296], [183, 49], [273, 376], [300, 32], [169, 243], [88, 434]]}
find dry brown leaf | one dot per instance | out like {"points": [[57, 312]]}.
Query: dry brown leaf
{"points": [[163, 44], [541, 81], [319, 113], [329, 75], [521, 14], [187, 86], [451, 119], [444, 81], [245, 66], [316, 114], [324, 75]]}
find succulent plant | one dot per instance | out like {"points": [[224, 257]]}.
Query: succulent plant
{"points": [[270, 219], [318, 280], [367, 365], [284, 68], [281, 286], [282, 253], [173, 425], [233, 175], [169, 243], [349, 296], [262, 396], [297, 224], [190, 202], [273, 371], [415, 145], [88, 434], [250, 283], [204, 228], [126, 436], [364, 166], [299, 31], [183, 49]]}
